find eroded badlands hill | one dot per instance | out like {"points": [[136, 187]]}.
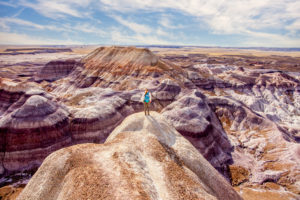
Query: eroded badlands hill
{"points": [[243, 120], [41, 120], [123, 68], [143, 158]]}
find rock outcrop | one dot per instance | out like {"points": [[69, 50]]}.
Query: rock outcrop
{"points": [[55, 70], [32, 126], [143, 158], [194, 119], [34, 123], [259, 111], [122, 68], [263, 153]]}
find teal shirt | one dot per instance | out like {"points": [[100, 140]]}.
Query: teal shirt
{"points": [[147, 97]]}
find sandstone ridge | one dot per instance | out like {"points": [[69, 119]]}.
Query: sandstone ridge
{"points": [[143, 158]]}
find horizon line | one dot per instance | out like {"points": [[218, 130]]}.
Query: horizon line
{"points": [[156, 45]]}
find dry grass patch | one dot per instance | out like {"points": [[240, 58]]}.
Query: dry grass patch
{"points": [[238, 175], [275, 166], [250, 194], [226, 123], [76, 99], [271, 186], [288, 182], [10, 193], [267, 155]]}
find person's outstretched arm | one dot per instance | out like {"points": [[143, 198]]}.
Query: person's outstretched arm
{"points": [[142, 98]]}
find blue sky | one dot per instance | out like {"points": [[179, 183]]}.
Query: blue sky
{"points": [[268, 23]]}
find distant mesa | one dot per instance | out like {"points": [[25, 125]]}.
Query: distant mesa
{"points": [[121, 67], [19, 51], [121, 56]]}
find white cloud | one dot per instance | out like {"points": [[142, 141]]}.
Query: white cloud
{"points": [[57, 9], [270, 40], [119, 37], [138, 28], [8, 20], [263, 22], [4, 26], [166, 22], [10, 4], [294, 27], [161, 32], [85, 27], [15, 38], [143, 34], [224, 17]]}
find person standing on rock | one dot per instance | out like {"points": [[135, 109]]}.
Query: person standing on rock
{"points": [[147, 100]]}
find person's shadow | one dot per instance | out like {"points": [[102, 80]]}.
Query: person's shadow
{"points": [[162, 130]]}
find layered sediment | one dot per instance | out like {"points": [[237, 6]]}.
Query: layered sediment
{"points": [[55, 70], [122, 68], [244, 121], [122, 168], [32, 126], [194, 119]]}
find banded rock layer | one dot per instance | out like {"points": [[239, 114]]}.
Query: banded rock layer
{"points": [[122, 68], [259, 111], [32, 126], [55, 70], [90, 114], [143, 158], [237, 116], [194, 119]]}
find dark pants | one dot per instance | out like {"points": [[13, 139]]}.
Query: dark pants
{"points": [[146, 108]]}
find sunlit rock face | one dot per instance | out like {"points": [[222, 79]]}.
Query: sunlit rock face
{"points": [[243, 120], [144, 157], [122, 68]]}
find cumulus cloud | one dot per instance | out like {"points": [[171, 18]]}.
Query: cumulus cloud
{"points": [[256, 21], [224, 17]]}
